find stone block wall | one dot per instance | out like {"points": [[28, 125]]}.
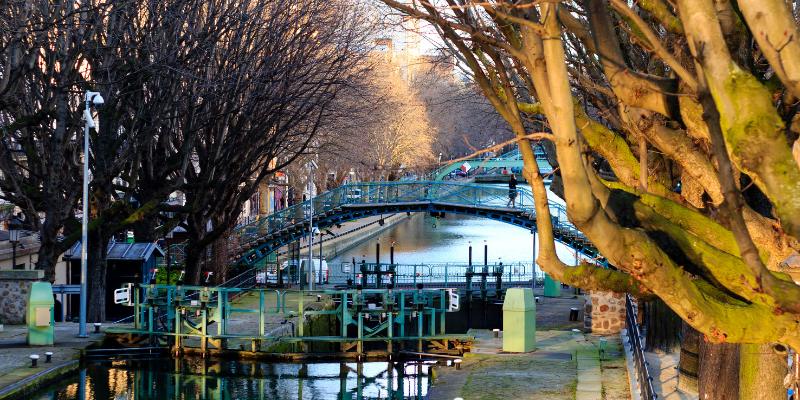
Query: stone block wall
{"points": [[604, 312], [15, 285]]}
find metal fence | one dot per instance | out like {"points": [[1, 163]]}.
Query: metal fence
{"points": [[260, 233], [445, 274], [643, 377]]}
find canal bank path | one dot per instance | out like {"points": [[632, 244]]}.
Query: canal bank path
{"points": [[17, 377], [565, 365]]}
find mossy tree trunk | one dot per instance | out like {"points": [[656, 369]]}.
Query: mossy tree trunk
{"points": [[742, 371], [688, 364], [718, 376], [762, 368]]}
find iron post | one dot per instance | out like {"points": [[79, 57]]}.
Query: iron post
{"points": [[391, 254], [320, 258], [84, 224], [485, 254], [310, 269]]}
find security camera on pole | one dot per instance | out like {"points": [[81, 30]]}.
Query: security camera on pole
{"points": [[91, 99]]}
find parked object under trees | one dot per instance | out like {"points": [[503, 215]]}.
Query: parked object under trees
{"points": [[694, 94]]}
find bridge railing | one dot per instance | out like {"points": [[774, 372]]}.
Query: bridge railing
{"points": [[371, 193], [388, 193], [443, 275]]}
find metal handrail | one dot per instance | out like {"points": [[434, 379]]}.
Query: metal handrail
{"points": [[241, 281], [404, 192], [643, 377]]}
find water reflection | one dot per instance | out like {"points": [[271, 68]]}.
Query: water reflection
{"points": [[222, 380], [429, 240], [423, 239]]}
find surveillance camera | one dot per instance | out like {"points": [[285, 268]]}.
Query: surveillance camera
{"points": [[95, 98]]}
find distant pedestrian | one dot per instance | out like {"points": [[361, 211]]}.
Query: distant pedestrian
{"points": [[512, 191]]}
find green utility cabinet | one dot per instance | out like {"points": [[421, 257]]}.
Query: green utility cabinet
{"points": [[552, 287], [519, 320], [40, 317]]}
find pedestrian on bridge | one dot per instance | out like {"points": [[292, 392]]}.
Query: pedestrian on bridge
{"points": [[512, 191]]}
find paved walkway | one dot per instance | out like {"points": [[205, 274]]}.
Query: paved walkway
{"points": [[664, 369], [590, 380], [565, 365], [15, 364]]}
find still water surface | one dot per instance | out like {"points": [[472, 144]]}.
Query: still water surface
{"points": [[237, 380], [420, 239]]}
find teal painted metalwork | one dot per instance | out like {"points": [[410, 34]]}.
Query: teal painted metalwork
{"points": [[377, 315], [510, 160], [258, 239]]}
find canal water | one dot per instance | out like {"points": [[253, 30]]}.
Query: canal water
{"points": [[242, 380], [421, 239]]}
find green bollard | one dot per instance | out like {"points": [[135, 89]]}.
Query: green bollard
{"points": [[519, 321], [552, 287], [40, 317]]}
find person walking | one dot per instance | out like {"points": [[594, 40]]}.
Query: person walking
{"points": [[512, 191]]}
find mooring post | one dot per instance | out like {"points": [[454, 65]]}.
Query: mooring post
{"points": [[391, 254], [485, 254]]}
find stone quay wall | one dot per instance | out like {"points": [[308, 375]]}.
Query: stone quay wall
{"points": [[604, 312], [15, 286]]}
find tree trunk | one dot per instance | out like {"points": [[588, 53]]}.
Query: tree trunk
{"points": [[97, 269], [221, 259], [719, 371], [688, 365], [762, 368], [194, 257], [663, 326], [49, 250]]}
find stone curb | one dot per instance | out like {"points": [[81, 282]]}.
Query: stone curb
{"points": [[632, 385], [32, 383]]}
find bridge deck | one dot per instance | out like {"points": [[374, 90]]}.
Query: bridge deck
{"points": [[260, 238]]}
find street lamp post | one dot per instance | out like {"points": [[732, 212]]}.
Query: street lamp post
{"points": [[13, 237], [91, 98], [310, 270]]}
